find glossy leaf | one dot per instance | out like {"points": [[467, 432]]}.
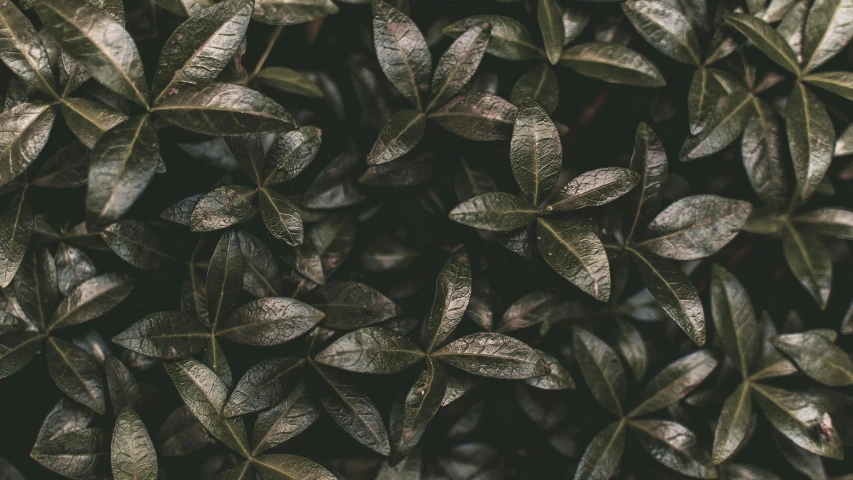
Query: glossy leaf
{"points": [[132, 452], [76, 373], [371, 350], [400, 135], [16, 227], [673, 445], [828, 30], [763, 157], [540, 85], [727, 122], [766, 39], [350, 305], [612, 63], [574, 251], [458, 64], [90, 120], [23, 52], [125, 391], [262, 386], [492, 355], [91, 299], [811, 138], [649, 162], [549, 13], [280, 466], [477, 116], [830, 221], [601, 457], [675, 381], [666, 28], [167, 335], [224, 278], [494, 211], [601, 369], [280, 423], [402, 51], [17, 349], [817, 357], [25, 132], [411, 415], [281, 217], [510, 40], [593, 189], [269, 321], [536, 154], [733, 425], [291, 12], [83, 453], [289, 81], [452, 294], [809, 261]]}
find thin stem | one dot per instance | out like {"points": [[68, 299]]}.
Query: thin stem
{"points": [[270, 44]]}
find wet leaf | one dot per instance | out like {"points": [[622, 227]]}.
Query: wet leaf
{"points": [[23, 52], [411, 415], [281, 217]]}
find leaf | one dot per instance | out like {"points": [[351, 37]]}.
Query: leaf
{"points": [[204, 394], [493, 355], [594, 188], [673, 445], [125, 391], [458, 64], [73, 267], [25, 131], [281, 217], [766, 39], [705, 92], [168, 335], [762, 152], [91, 299], [791, 28], [452, 294], [402, 51], [17, 349], [183, 8], [222, 208], [371, 350], [81, 454], [120, 168], [509, 39], [529, 310], [734, 424], [261, 275], [350, 305], [224, 278], [76, 374], [289, 81], [648, 161], [36, 286], [401, 134], [269, 321], [817, 357], [675, 381], [22, 50], [67, 168], [809, 261], [494, 211], [550, 17], [96, 40], [214, 359], [601, 369], [248, 151], [730, 116], [291, 153], [674, 292], [477, 116], [828, 30], [839, 83], [830, 221], [734, 320], [262, 386], [353, 411], [16, 227], [811, 138], [224, 109], [411, 415], [540, 85], [284, 421], [409, 468], [574, 251], [132, 452], [281, 466], [200, 47], [805, 423], [632, 347], [136, 243], [558, 379], [181, 434], [665, 28], [612, 63], [292, 12], [10, 323], [536, 154], [601, 457], [90, 120]]}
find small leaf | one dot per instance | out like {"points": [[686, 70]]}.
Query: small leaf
{"points": [[494, 211], [224, 278], [540, 85], [817, 357], [811, 138], [477, 116], [89, 120], [675, 381], [73, 267], [281, 466], [25, 132], [766, 39], [91, 299], [22, 50], [402, 51], [828, 30], [574, 251], [665, 28], [168, 335], [809, 261], [452, 293], [594, 188], [601, 458], [269, 321], [284, 421], [510, 40], [76, 374], [132, 453], [734, 424], [830, 221], [16, 227], [350, 305], [458, 64], [135, 243], [292, 12], [222, 207], [83, 453], [493, 355], [289, 81], [371, 350], [601, 369], [550, 16], [536, 154], [673, 445], [612, 63], [262, 386]]}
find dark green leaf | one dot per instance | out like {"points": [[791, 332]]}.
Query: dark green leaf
{"points": [[81, 454], [594, 188], [36, 287], [539, 85], [284, 421], [601, 458], [292, 12], [494, 211], [675, 381], [458, 64], [549, 13], [76, 373], [411, 415], [728, 120], [291, 153], [281, 466], [673, 445], [531, 309], [214, 359], [811, 138], [402, 51], [452, 293], [809, 261], [839, 83], [73, 267], [574, 251], [22, 50], [477, 116], [67, 168], [705, 92], [135, 243], [401, 134], [509, 40], [222, 207], [666, 28], [269, 321], [734, 320], [168, 335], [493, 355], [289, 81], [828, 30], [762, 152], [183, 8], [350, 305], [91, 299], [261, 275], [371, 350], [224, 278], [181, 434], [25, 130], [648, 161], [90, 120], [132, 453], [125, 391], [631, 345], [262, 386], [817, 357], [558, 379], [601, 369], [16, 227], [830, 221], [281, 217], [734, 424], [766, 39], [536, 154], [612, 63], [17, 349]]}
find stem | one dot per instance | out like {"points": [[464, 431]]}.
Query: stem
{"points": [[270, 44]]}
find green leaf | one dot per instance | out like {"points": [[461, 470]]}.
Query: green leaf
{"points": [[791, 27], [674, 292], [280, 466], [285, 420], [292, 12], [200, 47], [120, 168], [830, 221], [550, 17], [536, 154], [730, 116], [649, 162], [16, 227], [828, 31], [76, 373], [510, 40], [410, 415], [399, 136], [214, 359], [458, 64], [673, 445], [558, 379], [132, 452], [36, 287], [125, 391], [452, 293], [281, 217], [91, 299], [839, 83], [766, 39], [477, 116], [734, 424], [261, 274], [695, 227], [817, 357], [763, 156], [601, 458], [81, 454], [262, 386], [168, 335], [67, 168], [402, 52], [540, 85], [224, 278], [493, 355], [371, 350], [574, 251], [181, 434], [352, 410], [675, 381], [204, 394], [96, 40], [494, 211], [734, 320], [248, 151], [17, 349], [90, 120], [224, 109], [529, 310], [269, 321], [10, 323], [289, 81], [350, 305], [222, 208], [291, 153], [26, 128], [23, 52], [705, 92], [612, 63], [602, 371], [804, 422], [631, 345], [665, 28], [135, 243], [594, 188], [809, 261], [243, 471], [811, 138]]}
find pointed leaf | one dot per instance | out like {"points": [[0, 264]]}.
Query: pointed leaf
{"points": [[289, 81], [452, 293], [400, 135], [558, 379], [167, 335], [25, 130], [22, 50], [36, 287], [17, 349], [705, 92], [494, 211], [477, 116], [350, 305], [574, 251], [594, 188], [222, 207], [811, 138], [81, 454], [601, 458], [132, 453], [292, 12], [762, 152], [725, 125], [536, 154], [281, 217], [809, 261], [89, 120], [281, 466], [125, 391], [839, 83], [224, 278], [673, 445], [540, 85], [73, 267], [612, 63], [67, 168], [402, 51], [665, 28], [602, 371], [458, 64], [411, 415], [734, 320], [830, 221], [284, 421], [269, 321], [817, 357], [262, 386], [648, 161], [76, 373], [91, 299], [675, 381], [734, 424], [16, 226], [371, 350], [510, 40], [493, 355], [828, 30], [291, 153]]}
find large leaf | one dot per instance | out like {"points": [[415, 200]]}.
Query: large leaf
{"points": [[574, 251], [280, 466], [201, 47], [673, 445], [371, 350], [817, 357], [811, 138], [89, 120], [263, 386], [675, 381], [458, 64], [828, 30], [612, 63], [132, 452], [536, 154], [22, 50], [292, 12], [402, 51], [350, 305], [76, 373], [269, 321], [96, 40], [204, 394], [601, 458], [410, 415], [594, 188], [493, 355], [400, 135], [766, 39], [509, 40], [91, 299], [16, 227], [733, 425], [494, 211], [168, 335], [809, 261], [734, 320], [452, 293], [601, 369], [477, 116], [666, 28], [224, 278], [281, 217], [285, 420], [25, 130], [80, 454]]}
